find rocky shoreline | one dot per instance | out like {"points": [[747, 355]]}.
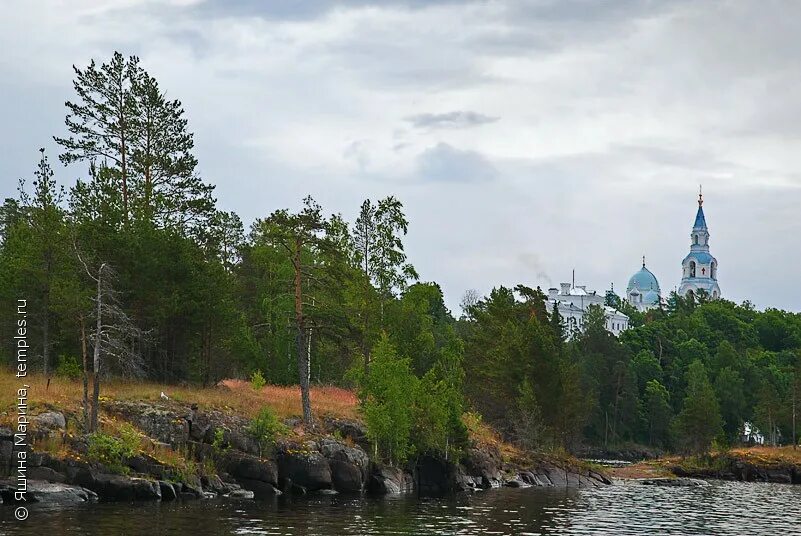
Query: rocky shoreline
{"points": [[332, 460], [731, 467]]}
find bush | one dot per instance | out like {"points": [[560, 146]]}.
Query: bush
{"points": [[113, 451], [219, 444], [69, 367], [257, 380], [265, 428]]}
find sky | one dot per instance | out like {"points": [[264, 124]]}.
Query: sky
{"points": [[526, 139]]}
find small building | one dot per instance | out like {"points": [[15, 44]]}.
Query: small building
{"points": [[572, 303]]}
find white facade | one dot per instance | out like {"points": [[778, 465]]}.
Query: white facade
{"points": [[572, 303]]}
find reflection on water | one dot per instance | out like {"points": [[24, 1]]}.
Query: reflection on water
{"points": [[722, 508]]}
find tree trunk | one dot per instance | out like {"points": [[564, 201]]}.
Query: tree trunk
{"points": [[123, 156], [303, 363], [46, 335], [85, 359], [97, 359]]}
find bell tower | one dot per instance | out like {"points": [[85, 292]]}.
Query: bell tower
{"points": [[699, 268]]}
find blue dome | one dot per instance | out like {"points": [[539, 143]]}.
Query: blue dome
{"points": [[643, 281]]}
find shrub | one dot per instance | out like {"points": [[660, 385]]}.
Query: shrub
{"points": [[69, 367], [113, 451], [265, 428], [219, 444], [257, 380]]}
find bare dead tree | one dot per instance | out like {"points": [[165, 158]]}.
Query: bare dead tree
{"points": [[115, 339]]}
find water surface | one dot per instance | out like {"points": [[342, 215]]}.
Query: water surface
{"points": [[721, 508]]}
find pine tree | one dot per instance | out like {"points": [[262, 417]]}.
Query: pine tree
{"points": [[699, 422]]}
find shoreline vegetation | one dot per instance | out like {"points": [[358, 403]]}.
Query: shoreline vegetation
{"points": [[196, 443]]}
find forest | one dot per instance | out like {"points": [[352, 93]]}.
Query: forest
{"points": [[132, 271]]}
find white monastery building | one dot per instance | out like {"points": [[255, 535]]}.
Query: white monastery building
{"points": [[572, 303], [699, 274]]}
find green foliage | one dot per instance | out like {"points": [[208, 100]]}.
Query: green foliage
{"points": [[699, 422], [265, 428], [218, 443], [69, 367], [531, 430], [257, 381], [113, 451], [387, 394], [657, 413]]}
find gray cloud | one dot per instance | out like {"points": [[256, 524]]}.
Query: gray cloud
{"points": [[613, 112], [456, 119], [444, 163]]}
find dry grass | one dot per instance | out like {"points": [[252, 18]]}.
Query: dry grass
{"points": [[646, 469], [231, 395], [769, 455]]}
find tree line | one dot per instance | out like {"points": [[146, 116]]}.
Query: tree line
{"points": [[133, 271]]}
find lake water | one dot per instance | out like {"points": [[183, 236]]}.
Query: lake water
{"points": [[721, 508]]}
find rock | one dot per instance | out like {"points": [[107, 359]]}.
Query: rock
{"points": [[484, 465], [671, 482], [120, 488], [435, 477], [45, 473], [347, 477], [6, 449], [781, 476], [49, 493], [390, 480], [147, 465], [192, 488], [260, 489], [252, 468], [241, 494], [304, 466], [349, 465], [157, 421], [50, 420], [347, 429], [168, 492]]}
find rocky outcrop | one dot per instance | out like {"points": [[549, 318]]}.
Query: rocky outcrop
{"points": [[302, 468], [254, 474], [335, 463], [350, 466], [728, 467], [47, 492], [387, 480], [671, 482]]}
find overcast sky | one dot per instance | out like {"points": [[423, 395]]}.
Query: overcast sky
{"points": [[525, 139]]}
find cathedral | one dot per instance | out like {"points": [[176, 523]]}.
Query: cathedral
{"points": [[699, 270], [699, 275]]}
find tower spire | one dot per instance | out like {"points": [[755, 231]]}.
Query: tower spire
{"points": [[643, 261], [700, 196]]}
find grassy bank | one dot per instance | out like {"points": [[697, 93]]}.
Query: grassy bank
{"points": [[231, 395], [717, 461]]}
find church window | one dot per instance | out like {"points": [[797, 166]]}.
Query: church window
{"points": [[695, 240], [714, 271], [692, 268]]}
